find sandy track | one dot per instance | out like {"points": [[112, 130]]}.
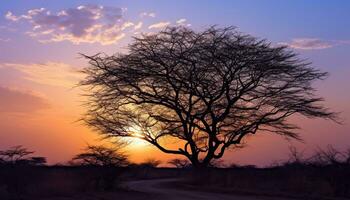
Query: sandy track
{"points": [[160, 190]]}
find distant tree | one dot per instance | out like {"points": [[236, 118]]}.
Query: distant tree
{"points": [[98, 155], [207, 90], [19, 155], [296, 157], [38, 161], [179, 163], [15, 154], [329, 156]]}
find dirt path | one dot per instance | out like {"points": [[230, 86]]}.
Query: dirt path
{"points": [[158, 188]]}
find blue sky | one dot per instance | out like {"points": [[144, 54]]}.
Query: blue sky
{"points": [[278, 21]]}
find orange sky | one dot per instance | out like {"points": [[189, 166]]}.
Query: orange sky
{"points": [[46, 121]]}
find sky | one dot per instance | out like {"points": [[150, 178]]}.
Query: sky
{"points": [[41, 42]]}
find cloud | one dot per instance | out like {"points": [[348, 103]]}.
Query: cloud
{"points": [[83, 24], [147, 14], [9, 15], [314, 43], [182, 22], [20, 101], [50, 73], [309, 43], [138, 26], [159, 25]]}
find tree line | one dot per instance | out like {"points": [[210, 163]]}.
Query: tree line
{"points": [[103, 156]]}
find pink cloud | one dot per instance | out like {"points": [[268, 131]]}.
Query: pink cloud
{"points": [[313, 43], [159, 25], [83, 24]]}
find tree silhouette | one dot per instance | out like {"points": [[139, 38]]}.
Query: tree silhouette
{"points": [[38, 160], [15, 154], [98, 155], [19, 155], [206, 90], [111, 159]]}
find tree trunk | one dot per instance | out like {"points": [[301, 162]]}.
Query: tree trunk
{"points": [[199, 165], [201, 173]]}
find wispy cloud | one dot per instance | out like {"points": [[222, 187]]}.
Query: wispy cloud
{"points": [[21, 101], [50, 73], [138, 26], [159, 25], [10, 16], [182, 22], [313, 43], [83, 24], [148, 14]]}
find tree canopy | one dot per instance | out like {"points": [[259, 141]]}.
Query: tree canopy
{"points": [[207, 90], [99, 155]]}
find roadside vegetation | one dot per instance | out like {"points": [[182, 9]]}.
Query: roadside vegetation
{"points": [[101, 170]]}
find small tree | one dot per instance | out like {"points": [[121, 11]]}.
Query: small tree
{"points": [[207, 90], [329, 156], [98, 155], [19, 155], [15, 154], [109, 161], [38, 160], [296, 157]]}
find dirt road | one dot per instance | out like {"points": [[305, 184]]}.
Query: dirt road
{"points": [[159, 190]]}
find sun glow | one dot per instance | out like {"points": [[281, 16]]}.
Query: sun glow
{"points": [[136, 141]]}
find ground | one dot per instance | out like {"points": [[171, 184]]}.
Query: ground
{"points": [[161, 189], [91, 183]]}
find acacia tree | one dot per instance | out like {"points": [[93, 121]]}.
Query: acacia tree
{"points": [[206, 90], [20, 155], [15, 154], [98, 155]]}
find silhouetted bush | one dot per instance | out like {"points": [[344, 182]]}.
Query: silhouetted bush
{"points": [[108, 162]]}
